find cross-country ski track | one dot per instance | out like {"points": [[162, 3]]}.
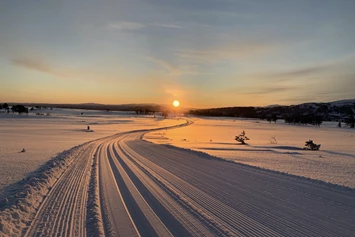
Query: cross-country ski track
{"points": [[124, 186]]}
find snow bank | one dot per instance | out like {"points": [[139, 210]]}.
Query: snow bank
{"points": [[94, 223], [18, 210]]}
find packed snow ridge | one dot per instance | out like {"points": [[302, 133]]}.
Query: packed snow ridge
{"points": [[20, 208]]}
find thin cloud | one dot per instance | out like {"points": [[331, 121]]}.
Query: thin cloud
{"points": [[264, 90], [43, 66], [302, 71], [131, 26], [225, 52], [298, 99], [40, 66], [321, 69], [126, 25], [325, 90], [164, 64], [174, 70], [166, 25], [175, 92], [273, 90]]}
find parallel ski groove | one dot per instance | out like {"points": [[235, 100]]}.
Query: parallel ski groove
{"points": [[143, 189], [117, 219], [198, 172], [194, 227], [56, 216]]}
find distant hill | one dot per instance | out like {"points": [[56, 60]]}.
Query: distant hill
{"points": [[343, 102], [332, 111], [272, 106], [139, 108]]}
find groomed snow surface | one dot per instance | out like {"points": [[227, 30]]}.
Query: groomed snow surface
{"points": [[333, 163], [43, 137], [110, 182]]}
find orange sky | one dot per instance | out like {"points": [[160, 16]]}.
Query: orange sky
{"points": [[205, 54]]}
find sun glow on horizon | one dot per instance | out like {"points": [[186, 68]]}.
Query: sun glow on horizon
{"points": [[176, 103]]}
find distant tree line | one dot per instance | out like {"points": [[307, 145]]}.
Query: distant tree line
{"points": [[145, 111], [350, 121], [5, 106], [311, 119], [245, 112], [141, 108], [271, 118], [20, 109], [311, 113]]}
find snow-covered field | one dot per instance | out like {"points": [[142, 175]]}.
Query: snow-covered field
{"points": [[43, 137], [334, 162], [110, 182]]}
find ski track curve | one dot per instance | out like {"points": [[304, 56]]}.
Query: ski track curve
{"points": [[144, 189]]}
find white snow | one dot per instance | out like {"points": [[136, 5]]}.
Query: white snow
{"points": [[26, 178], [121, 185], [333, 163], [43, 137]]}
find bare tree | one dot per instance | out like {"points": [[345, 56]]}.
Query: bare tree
{"points": [[310, 145], [241, 138]]}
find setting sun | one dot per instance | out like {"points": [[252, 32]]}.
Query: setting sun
{"points": [[176, 103]]}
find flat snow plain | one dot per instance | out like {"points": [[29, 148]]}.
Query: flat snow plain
{"points": [[43, 137], [115, 184], [333, 163]]}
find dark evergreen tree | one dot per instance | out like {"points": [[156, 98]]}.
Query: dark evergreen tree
{"points": [[350, 121], [5, 106], [274, 118], [20, 109]]}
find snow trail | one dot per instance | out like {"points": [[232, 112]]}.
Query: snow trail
{"points": [[124, 186], [63, 211]]}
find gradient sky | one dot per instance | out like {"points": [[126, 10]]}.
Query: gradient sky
{"points": [[205, 53]]}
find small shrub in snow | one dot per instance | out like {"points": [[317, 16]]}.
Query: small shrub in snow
{"points": [[241, 138], [273, 140], [310, 145]]}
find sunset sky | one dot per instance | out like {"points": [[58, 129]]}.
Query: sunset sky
{"points": [[205, 53]]}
